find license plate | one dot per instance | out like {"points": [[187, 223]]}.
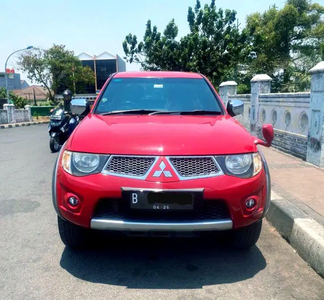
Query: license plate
{"points": [[160, 200]]}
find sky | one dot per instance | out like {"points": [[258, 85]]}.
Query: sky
{"points": [[95, 26]]}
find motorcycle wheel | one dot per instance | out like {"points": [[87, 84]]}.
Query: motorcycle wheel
{"points": [[54, 144]]}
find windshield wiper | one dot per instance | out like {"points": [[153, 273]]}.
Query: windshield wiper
{"points": [[129, 111], [189, 112], [201, 112], [161, 112]]}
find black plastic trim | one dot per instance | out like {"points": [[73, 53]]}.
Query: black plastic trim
{"points": [[268, 180], [54, 198]]}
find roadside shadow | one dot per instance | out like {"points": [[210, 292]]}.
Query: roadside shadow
{"points": [[162, 264]]}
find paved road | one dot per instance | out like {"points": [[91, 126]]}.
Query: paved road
{"points": [[34, 264]]}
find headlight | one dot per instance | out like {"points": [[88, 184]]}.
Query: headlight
{"points": [[241, 165], [238, 164], [81, 164], [86, 163]]}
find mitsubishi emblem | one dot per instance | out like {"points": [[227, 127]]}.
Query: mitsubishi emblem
{"points": [[162, 171]]}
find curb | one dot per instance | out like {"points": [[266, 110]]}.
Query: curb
{"points": [[304, 234], [14, 125]]}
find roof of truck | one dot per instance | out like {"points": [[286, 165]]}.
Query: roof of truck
{"points": [[156, 74]]}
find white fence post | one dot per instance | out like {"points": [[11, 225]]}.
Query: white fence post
{"points": [[27, 107], [315, 139], [260, 84], [10, 108], [227, 89]]}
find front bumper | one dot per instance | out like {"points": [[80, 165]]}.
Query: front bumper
{"points": [[93, 189], [106, 224]]}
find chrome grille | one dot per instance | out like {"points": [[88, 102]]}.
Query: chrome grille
{"points": [[195, 166], [133, 166]]}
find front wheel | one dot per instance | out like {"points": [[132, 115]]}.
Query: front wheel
{"points": [[54, 144], [73, 236], [246, 237]]}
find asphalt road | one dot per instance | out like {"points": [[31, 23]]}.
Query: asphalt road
{"points": [[34, 264]]}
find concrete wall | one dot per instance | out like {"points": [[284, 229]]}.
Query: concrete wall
{"points": [[289, 115], [297, 118], [12, 115], [288, 112], [291, 143], [21, 115], [3, 116]]}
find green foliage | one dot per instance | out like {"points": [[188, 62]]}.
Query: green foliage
{"points": [[33, 63], [243, 88], [284, 44], [54, 68], [19, 102], [3, 93], [45, 103], [212, 47], [66, 69]]}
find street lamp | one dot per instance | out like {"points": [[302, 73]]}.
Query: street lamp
{"points": [[6, 75]]}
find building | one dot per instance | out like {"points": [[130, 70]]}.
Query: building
{"points": [[14, 82], [32, 93], [24, 84], [103, 66]]}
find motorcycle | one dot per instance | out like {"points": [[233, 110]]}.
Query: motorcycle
{"points": [[62, 123]]}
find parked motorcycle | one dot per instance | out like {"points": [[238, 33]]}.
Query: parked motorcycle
{"points": [[62, 123]]}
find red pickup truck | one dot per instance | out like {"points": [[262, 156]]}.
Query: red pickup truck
{"points": [[160, 154]]}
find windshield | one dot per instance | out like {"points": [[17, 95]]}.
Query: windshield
{"points": [[147, 95]]}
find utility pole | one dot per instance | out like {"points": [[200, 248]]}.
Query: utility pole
{"points": [[6, 75], [95, 72]]}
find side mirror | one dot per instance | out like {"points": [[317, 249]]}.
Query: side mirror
{"points": [[235, 107], [80, 106], [268, 134]]}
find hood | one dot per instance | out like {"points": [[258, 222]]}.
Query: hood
{"points": [[161, 135]]}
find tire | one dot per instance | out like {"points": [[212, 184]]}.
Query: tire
{"points": [[246, 237], [54, 144], [73, 236]]}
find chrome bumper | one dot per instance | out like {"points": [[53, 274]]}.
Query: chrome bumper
{"points": [[106, 224]]}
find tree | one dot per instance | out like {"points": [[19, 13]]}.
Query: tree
{"points": [[283, 43], [212, 47], [286, 43], [36, 66], [55, 69], [3, 93], [19, 102]]}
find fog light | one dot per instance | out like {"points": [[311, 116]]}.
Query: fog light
{"points": [[73, 201], [250, 203]]}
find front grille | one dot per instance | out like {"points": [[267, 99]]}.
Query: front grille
{"points": [[195, 166], [134, 166], [118, 209]]}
